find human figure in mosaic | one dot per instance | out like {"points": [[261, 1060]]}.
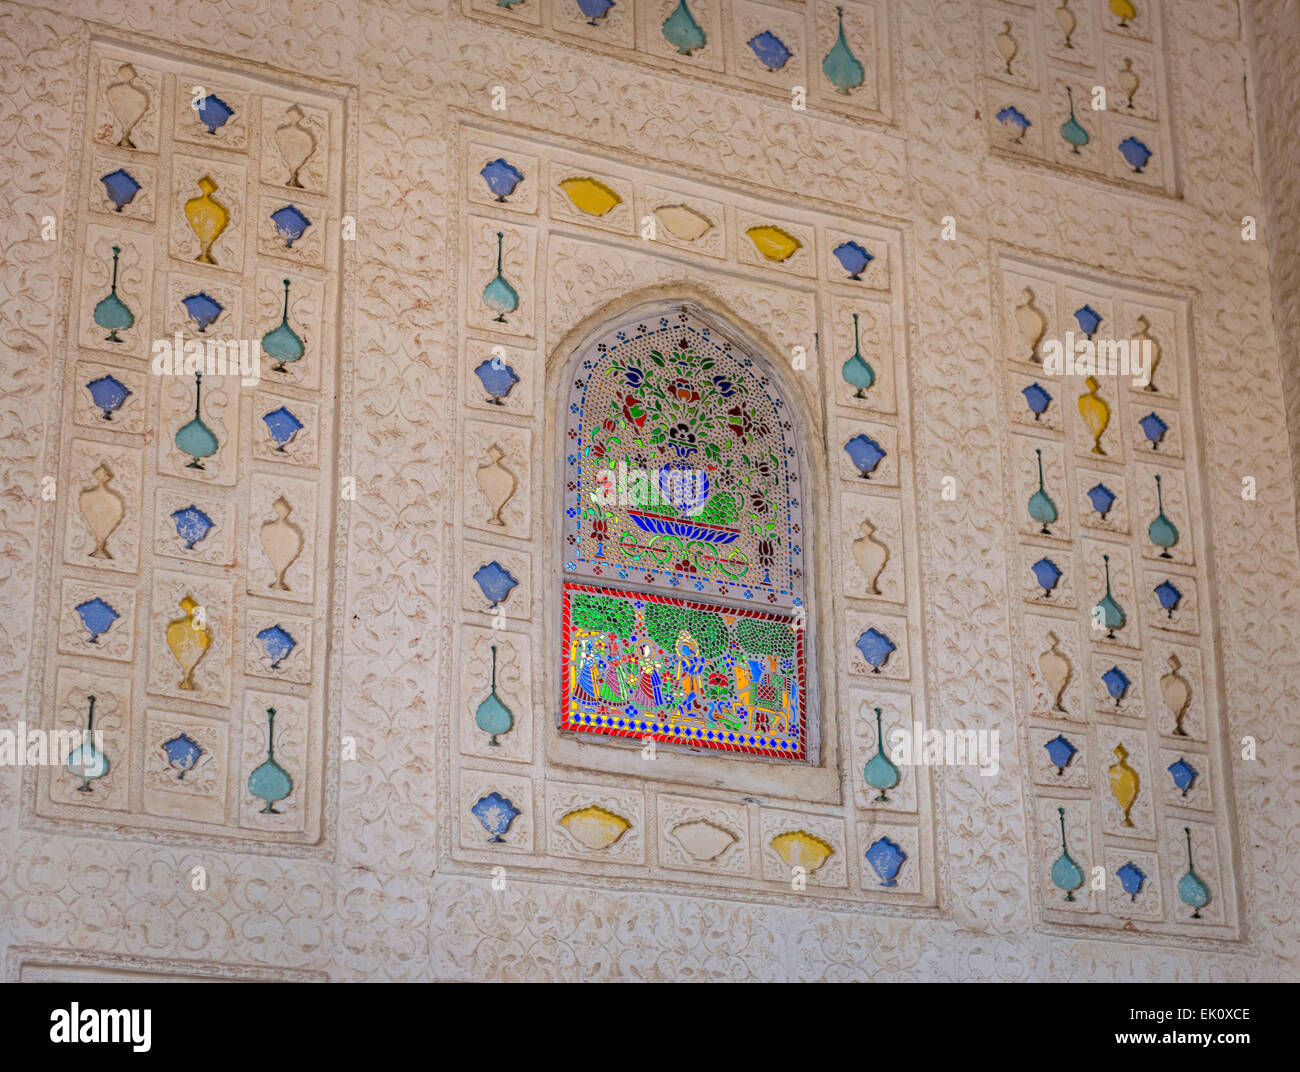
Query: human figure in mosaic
{"points": [[690, 665]]}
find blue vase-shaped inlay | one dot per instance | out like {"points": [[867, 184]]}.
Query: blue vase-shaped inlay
{"points": [[496, 582], [1169, 595], [682, 31], [1066, 874], [121, 188], [282, 344], [853, 258], [1042, 507], [112, 313], [771, 51], [1108, 613], [277, 642], [865, 453], [202, 308], [1047, 573], [1162, 532], [1014, 119], [498, 295], [108, 393], [886, 859], [502, 177], [841, 66], [283, 426], [290, 224], [1088, 319], [495, 813], [1117, 683], [1060, 752], [214, 113], [1191, 890], [182, 754], [876, 648], [192, 525], [1135, 152], [880, 772], [1131, 877], [1072, 130], [1154, 429], [1037, 399], [97, 617], [595, 9], [1183, 774], [195, 438], [270, 782], [857, 371], [1102, 499], [493, 717], [497, 379]]}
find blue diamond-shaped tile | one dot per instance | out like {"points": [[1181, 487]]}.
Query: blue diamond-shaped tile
{"points": [[876, 648], [1169, 595], [1183, 774], [1116, 682], [1102, 498], [1131, 877], [1046, 573], [290, 224], [121, 188], [496, 582], [1060, 752], [1089, 319], [1154, 429], [771, 51], [1037, 399]]}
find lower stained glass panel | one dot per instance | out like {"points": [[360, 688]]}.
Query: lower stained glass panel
{"points": [[683, 672]]}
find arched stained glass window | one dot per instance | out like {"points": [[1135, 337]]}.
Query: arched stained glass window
{"points": [[684, 565]]}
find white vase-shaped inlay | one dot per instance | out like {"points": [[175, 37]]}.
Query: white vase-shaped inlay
{"points": [[281, 542], [871, 556], [702, 840], [497, 484], [1055, 668], [102, 508], [1144, 336], [128, 103], [1129, 81], [296, 144], [1007, 45], [1031, 322], [1177, 694], [1066, 21]]}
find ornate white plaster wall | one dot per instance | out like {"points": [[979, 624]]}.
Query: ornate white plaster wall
{"points": [[379, 895]]}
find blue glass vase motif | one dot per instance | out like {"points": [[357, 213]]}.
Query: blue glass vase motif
{"points": [[1037, 399], [213, 112], [277, 642], [1131, 877], [886, 859], [202, 308], [192, 525], [496, 813], [497, 379], [121, 188], [876, 648], [290, 224], [1047, 573], [282, 426], [1169, 595], [495, 581], [97, 617], [853, 258], [1117, 683], [1060, 752], [771, 51], [108, 393], [865, 453], [182, 754], [502, 177], [1183, 774]]}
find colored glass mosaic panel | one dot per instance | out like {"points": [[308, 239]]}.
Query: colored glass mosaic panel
{"points": [[683, 672], [681, 469]]}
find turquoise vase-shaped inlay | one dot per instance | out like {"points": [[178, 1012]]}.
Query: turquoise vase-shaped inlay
{"points": [[1191, 890], [494, 717], [498, 295], [1162, 531], [86, 761], [1041, 507], [1108, 614], [1072, 130], [1066, 874], [840, 65], [195, 438], [682, 31], [880, 773], [270, 782], [282, 344], [112, 312], [856, 370]]}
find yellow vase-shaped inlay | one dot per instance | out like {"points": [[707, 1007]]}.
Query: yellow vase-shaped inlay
{"points": [[801, 849], [189, 639], [773, 243], [1095, 413], [1123, 782], [594, 827], [208, 218], [590, 196]]}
